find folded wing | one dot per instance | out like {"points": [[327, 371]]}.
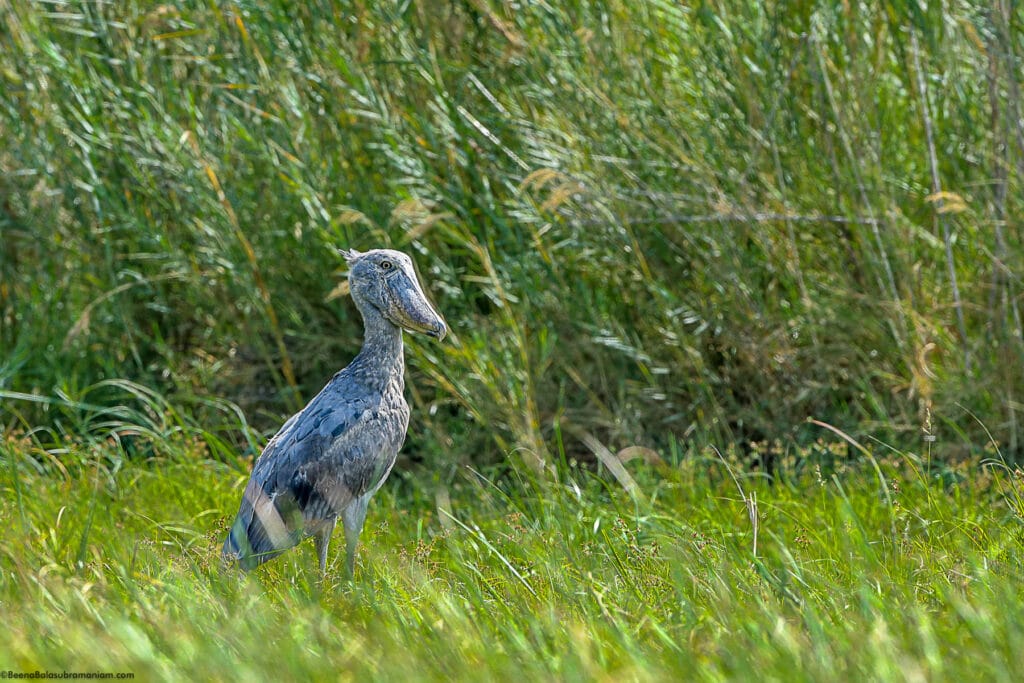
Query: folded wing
{"points": [[307, 474]]}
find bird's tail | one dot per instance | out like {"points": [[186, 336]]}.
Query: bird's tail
{"points": [[237, 548], [263, 529]]}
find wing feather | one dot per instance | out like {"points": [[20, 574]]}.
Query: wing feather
{"points": [[301, 477]]}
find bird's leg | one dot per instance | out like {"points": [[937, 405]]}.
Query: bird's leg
{"points": [[353, 518], [322, 538]]}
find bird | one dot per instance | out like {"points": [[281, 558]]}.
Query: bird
{"points": [[329, 459]]}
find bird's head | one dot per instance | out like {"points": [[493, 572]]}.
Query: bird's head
{"points": [[384, 280]]}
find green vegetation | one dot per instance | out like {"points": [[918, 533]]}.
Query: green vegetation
{"points": [[908, 573], [643, 219], [654, 229]]}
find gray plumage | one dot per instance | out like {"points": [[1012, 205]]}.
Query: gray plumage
{"points": [[330, 458]]}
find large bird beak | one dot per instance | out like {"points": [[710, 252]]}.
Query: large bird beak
{"points": [[411, 310]]}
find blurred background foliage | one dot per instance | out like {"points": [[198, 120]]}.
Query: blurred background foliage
{"points": [[647, 223]]}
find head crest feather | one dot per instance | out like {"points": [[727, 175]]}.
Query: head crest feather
{"points": [[350, 255]]}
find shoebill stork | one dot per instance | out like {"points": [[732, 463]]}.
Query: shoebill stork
{"points": [[328, 460]]}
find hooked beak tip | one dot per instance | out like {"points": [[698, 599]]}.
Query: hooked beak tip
{"points": [[439, 332]]}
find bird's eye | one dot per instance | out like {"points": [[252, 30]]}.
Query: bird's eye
{"points": [[385, 265]]}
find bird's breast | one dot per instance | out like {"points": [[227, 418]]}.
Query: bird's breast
{"points": [[383, 433]]}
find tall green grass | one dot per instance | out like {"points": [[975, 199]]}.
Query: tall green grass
{"points": [[647, 221], [725, 233], [904, 571]]}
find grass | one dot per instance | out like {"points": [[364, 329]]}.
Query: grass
{"points": [[650, 220], [886, 571], [653, 227]]}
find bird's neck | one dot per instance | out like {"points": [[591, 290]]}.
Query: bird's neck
{"points": [[381, 360]]}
